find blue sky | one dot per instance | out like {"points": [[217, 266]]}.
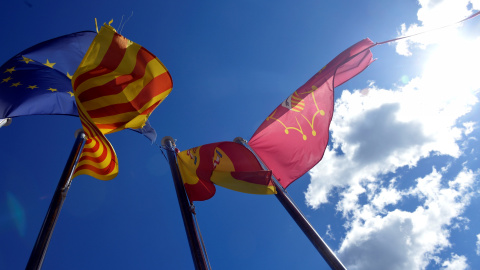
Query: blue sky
{"points": [[396, 189]]}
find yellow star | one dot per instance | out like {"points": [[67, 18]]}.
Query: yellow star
{"points": [[52, 89], [69, 76], [6, 79], [15, 84], [32, 86], [26, 60], [48, 64], [71, 94], [10, 70]]}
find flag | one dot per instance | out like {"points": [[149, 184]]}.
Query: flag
{"points": [[293, 137], [117, 86], [227, 164], [37, 80]]}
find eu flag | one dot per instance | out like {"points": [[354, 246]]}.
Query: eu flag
{"points": [[37, 80]]}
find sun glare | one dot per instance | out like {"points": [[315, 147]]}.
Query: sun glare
{"points": [[453, 67], [448, 86]]}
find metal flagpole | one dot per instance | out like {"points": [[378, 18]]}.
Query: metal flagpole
{"points": [[300, 219], [43, 239], [5, 122], [195, 247]]}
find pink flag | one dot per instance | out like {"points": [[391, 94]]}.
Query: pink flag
{"points": [[293, 137]]}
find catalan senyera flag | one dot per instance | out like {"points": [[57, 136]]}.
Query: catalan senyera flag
{"points": [[294, 136], [37, 81], [227, 164], [117, 86]]}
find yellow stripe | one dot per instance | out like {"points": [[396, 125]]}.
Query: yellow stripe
{"points": [[98, 176], [110, 176], [187, 168], [100, 150], [125, 66], [96, 51], [96, 81], [153, 70], [123, 117], [132, 120], [225, 180], [96, 139], [99, 165]]}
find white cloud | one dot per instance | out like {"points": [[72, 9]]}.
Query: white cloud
{"points": [[456, 263], [377, 131], [329, 232], [409, 240], [431, 15], [386, 196], [469, 127], [378, 135], [478, 245]]}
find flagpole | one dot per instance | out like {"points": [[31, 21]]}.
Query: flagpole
{"points": [[5, 122], [43, 239], [300, 219], [195, 247]]}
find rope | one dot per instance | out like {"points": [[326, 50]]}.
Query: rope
{"points": [[431, 30], [161, 149], [204, 249]]}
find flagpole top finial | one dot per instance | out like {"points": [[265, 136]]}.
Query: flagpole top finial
{"points": [[240, 140], [79, 132], [168, 138], [5, 122]]}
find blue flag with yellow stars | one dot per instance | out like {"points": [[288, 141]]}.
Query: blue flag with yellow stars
{"points": [[38, 80]]}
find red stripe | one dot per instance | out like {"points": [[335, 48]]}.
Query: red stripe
{"points": [[151, 108], [112, 87], [105, 171], [90, 127], [155, 87], [246, 166], [201, 191], [243, 160], [98, 159], [110, 61], [92, 149], [117, 85], [205, 166], [86, 124], [93, 132], [263, 178]]}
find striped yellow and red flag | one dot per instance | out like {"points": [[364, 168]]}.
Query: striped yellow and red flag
{"points": [[227, 164], [117, 86]]}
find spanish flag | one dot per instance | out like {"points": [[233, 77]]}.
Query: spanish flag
{"points": [[226, 164], [117, 86]]}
